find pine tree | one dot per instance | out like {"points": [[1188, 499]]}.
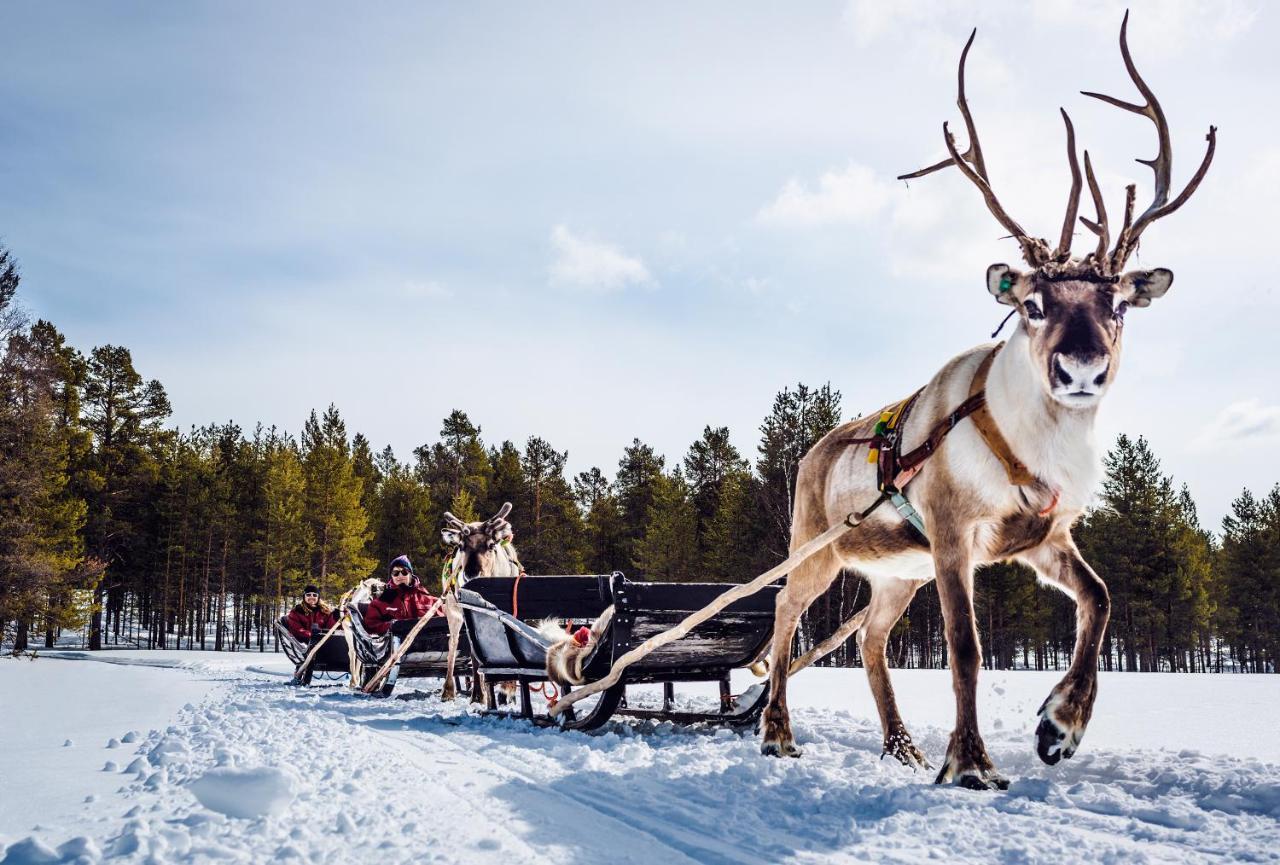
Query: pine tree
{"points": [[124, 414], [552, 539], [404, 524], [41, 550], [712, 461], [798, 419], [636, 487], [602, 522], [1249, 564], [339, 525], [455, 463], [286, 542], [668, 549]]}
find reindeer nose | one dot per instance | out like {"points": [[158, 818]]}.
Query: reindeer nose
{"points": [[1076, 373]]}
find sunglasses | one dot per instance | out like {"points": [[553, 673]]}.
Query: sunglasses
{"points": [[311, 595], [399, 572]]}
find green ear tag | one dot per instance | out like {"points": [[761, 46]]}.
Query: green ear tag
{"points": [[1005, 284]]}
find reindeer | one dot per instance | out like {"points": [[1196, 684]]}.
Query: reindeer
{"points": [[483, 549], [1006, 486]]}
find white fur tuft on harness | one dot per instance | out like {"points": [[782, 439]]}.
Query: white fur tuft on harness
{"points": [[569, 652]]}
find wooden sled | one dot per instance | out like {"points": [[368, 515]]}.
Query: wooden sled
{"points": [[427, 657], [332, 657], [509, 649]]}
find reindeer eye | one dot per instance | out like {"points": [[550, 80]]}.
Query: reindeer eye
{"points": [[1033, 310]]}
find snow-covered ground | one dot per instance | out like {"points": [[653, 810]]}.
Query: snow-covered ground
{"points": [[197, 757]]}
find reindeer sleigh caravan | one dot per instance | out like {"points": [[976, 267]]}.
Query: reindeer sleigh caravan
{"points": [[519, 634]]}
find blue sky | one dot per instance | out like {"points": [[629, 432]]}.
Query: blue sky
{"points": [[592, 222]]}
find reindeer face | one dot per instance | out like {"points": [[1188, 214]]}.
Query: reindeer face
{"points": [[1074, 326], [477, 542]]}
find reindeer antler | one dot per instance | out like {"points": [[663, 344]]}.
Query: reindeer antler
{"points": [[1034, 249], [453, 522], [497, 526], [1162, 165]]}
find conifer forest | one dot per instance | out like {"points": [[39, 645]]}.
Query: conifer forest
{"points": [[118, 529]]}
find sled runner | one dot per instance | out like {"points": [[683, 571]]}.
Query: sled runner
{"points": [[426, 658], [509, 649]]}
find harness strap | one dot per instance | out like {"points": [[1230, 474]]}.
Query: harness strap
{"points": [[1019, 474]]}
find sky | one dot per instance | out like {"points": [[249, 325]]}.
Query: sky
{"points": [[592, 222]]}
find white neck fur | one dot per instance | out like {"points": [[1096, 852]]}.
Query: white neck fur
{"points": [[1055, 442]]}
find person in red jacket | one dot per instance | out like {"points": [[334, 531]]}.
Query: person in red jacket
{"points": [[403, 598], [312, 612]]}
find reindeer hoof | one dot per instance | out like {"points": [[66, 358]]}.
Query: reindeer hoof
{"points": [[972, 779], [1053, 742], [907, 754], [784, 748], [983, 781]]}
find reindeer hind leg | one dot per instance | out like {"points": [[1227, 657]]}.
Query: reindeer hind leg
{"points": [[889, 599], [804, 584]]}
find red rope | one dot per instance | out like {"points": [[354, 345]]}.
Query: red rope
{"points": [[543, 688]]}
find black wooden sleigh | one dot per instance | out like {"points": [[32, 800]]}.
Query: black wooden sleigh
{"points": [[427, 658], [332, 657], [509, 649]]}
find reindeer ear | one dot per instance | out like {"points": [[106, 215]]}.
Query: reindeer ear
{"points": [[451, 537], [1140, 287], [1007, 285]]}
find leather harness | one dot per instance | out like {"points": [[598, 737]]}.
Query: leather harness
{"points": [[894, 470]]}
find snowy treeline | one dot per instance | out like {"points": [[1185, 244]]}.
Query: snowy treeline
{"points": [[115, 529]]}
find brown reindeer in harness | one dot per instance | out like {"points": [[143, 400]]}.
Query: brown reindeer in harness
{"points": [[481, 549], [1007, 485]]}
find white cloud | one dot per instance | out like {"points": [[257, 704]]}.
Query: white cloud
{"points": [[1244, 421], [853, 195], [593, 265]]}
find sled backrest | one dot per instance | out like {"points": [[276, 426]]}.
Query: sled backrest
{"points": [[730, 640], [553, 597]]}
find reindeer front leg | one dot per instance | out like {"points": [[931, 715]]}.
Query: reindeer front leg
{"points": [[453, 615], [1066, 711], [967, 763]]}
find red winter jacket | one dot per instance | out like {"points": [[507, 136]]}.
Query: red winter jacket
{"points": [[398, 602], [302, 617]]}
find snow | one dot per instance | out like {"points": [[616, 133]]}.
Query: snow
{"points": [[223, 761], [244, 793]]}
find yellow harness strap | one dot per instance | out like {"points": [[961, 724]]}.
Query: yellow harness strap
{"points": [[888, 420]]}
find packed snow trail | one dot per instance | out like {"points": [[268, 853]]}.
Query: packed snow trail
{"points": [[258, 770]]}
